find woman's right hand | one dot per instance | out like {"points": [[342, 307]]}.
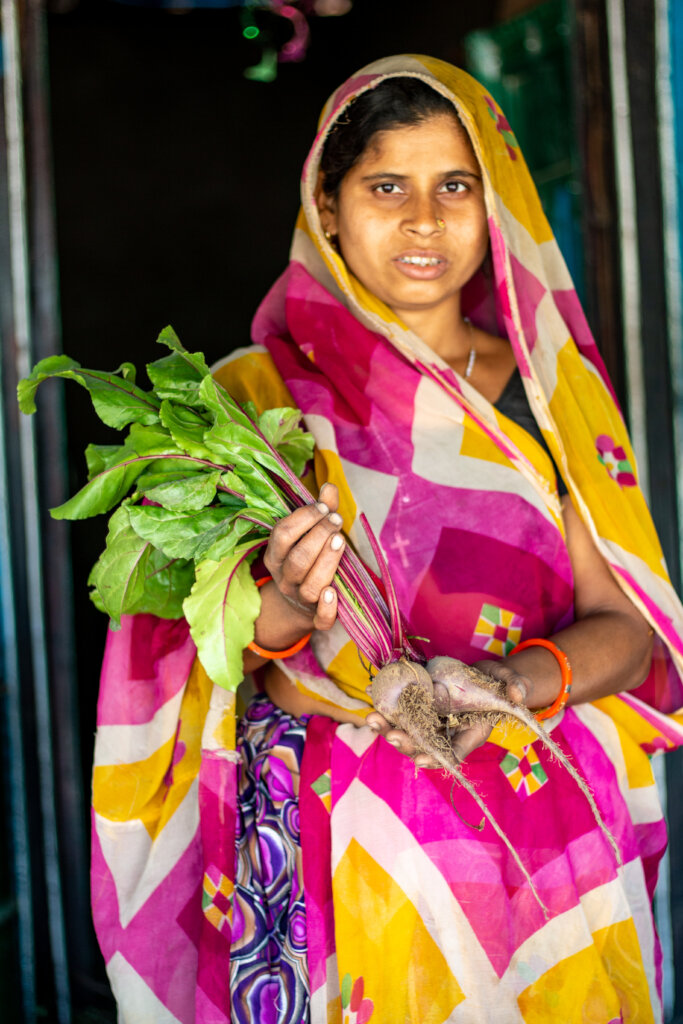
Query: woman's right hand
{"points": [[302, 556]]}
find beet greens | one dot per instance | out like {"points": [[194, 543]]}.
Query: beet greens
{"points": [[196, 485]]}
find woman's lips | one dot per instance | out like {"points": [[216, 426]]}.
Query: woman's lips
{"points": [[421, 264]]}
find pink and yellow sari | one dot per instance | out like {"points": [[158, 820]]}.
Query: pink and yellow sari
{"points": [[412, 912]]}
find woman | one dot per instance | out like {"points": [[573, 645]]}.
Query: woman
{"points": [[428, 330]]}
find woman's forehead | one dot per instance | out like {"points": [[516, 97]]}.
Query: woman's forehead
{"points": [[446, 129]]}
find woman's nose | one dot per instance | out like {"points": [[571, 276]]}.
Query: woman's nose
{"points": [[422, 217]]}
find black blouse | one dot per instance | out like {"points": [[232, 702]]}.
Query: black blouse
{"points": [[514, 404]]}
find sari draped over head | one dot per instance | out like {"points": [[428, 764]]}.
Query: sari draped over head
{"points": [[411, 912]]}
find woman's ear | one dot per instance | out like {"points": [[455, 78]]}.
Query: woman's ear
{"points": [[327, 208]]}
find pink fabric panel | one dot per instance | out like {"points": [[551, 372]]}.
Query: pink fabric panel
{"points": [[146, 662], [218, 809]]}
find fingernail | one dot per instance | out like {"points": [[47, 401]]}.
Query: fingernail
{"points": [[337, 542], [328, 596], [373, 726], [322, 508], [335, 519], [394, 743]]}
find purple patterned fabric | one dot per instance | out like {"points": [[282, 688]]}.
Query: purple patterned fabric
{"points": [[268, 967]]}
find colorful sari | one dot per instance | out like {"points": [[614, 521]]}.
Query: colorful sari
{"points": [[412, 909]]}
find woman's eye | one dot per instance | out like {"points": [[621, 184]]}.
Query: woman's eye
{"points": [[454, 187], [388, 188]]}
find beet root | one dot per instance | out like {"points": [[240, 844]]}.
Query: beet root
{"points": [[465, 695], [391, 680]]}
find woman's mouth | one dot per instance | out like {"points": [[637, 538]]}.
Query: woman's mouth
{"points": [[421, 266], [420, 261]]}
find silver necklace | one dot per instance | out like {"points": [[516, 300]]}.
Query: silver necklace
{"points": [[471, 359]]}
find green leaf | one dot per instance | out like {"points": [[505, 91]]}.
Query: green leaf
{"points": [[276, 424], [165, 471], [188, 494], [230, 442], [244, 447], [177, 379], [101, 493], [101, 456], [116, 398], [250, 409], [179, 375], [281, 427], [187, 428], [141, 440], [225, 539], [118, 576], [144, 440], [167, 583], [113, 484], [178, 534], [224, 408], [252, 483], [94, 595], [221, 611]]}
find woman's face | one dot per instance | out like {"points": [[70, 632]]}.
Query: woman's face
{"points": [[410, 216]]}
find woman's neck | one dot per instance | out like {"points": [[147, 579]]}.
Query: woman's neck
{"points": [[453, 338], [442, 329]]}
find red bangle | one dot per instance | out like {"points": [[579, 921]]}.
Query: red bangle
{"points": [[262, 652], [565, 668]]}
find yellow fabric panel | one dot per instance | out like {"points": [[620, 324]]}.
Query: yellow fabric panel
{"points": [[124, 792], [512, 736], [328, 469], [515, 190], [252, 377], [334, 1012], [633, 729], [620, 514], [224, 733], [476, 444], [152, 789], [404, 971], [575, 991], [620, 951], [362, 712], [348, 673]]}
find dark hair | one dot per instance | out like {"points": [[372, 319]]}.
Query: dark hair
{"points": [[394, 102]]}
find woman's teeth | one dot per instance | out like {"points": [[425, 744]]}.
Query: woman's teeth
{"points": [[420, 261]]}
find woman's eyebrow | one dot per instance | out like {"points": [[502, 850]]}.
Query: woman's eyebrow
{"points": [[457, 173]]}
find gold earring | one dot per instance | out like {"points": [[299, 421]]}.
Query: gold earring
{"points": [[328, 236]]}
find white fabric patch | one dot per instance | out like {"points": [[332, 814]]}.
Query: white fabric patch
{"points": [[374, 494], [136, 863], [437, 439], [124, 744], [133, 993]]}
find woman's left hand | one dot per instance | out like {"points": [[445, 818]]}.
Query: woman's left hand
{"points": [[463, 741]]}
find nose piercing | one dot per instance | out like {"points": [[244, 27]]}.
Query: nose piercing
{"points": [[440, 223]]}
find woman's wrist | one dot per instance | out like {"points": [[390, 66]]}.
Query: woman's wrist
{"points": [[542, 673], [280, 623]]}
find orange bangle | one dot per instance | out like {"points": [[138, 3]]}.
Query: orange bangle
{"points": [[262, 652], [565, 668]]}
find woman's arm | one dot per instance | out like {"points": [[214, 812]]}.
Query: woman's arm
{"points": [[609, 646]]}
